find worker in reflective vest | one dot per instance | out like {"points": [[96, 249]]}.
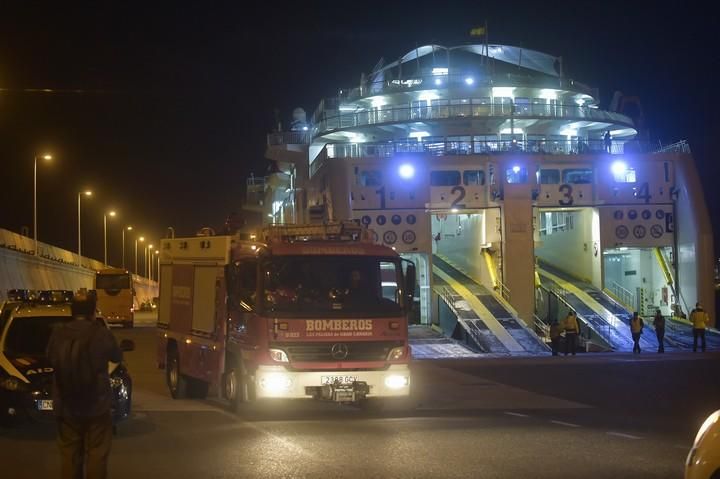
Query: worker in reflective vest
{"points": [[636, 327], [572, 329], [699, 319]]}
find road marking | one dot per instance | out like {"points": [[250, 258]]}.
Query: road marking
{"points": [[516, 414], [623, 435], [568, 424]]}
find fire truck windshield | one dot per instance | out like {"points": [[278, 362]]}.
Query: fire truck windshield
{"points": [[331, 286]]}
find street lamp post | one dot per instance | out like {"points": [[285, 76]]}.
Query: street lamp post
{"points": [[148, 249], [86, 193], [128, 228], [141, 239], [46, 158], [105, 215], [157, 268]]}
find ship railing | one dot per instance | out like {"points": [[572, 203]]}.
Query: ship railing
{"points": [[474, 145], [425, 82], [681, 146], [626, 297], [288, 138], [463, 108]]}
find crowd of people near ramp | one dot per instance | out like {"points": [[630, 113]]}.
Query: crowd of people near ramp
{"points": [[569, 330]]}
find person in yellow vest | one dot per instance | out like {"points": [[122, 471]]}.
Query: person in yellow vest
{"points": [[636, 327], [699, 319], [572, 329], [555, 331]]}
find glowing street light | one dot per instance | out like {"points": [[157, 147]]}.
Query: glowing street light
{"points": [[105, 215], [141, 239], [46, 158], [80, 194], [126, 228]]}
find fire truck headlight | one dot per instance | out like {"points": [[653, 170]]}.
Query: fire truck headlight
{"points": [[396, 353], [275, 383], [396, 381], [279, 355]]}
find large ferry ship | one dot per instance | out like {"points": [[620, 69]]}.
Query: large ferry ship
{"points": [[518, 197]]}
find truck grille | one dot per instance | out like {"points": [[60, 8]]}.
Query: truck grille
{"points": [[334, 351]]}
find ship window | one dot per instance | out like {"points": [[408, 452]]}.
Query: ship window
{"points": [[522, 106], [444, 178], [549, 177], [626, 176], [370, 178], [516, 174], [485, 143], [481, 106], [474, 177], [578, 176], [459, 145]]}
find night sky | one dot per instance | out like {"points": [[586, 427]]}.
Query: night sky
{"points": [[163, 110]]}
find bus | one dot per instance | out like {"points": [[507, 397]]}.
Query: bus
{"points": [[115, 296]]}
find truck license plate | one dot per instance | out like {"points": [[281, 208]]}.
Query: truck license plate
{"points": [[337, 379], [45, 405]]}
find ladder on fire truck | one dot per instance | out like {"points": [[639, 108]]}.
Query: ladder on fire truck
{"points": [[338, 231]]}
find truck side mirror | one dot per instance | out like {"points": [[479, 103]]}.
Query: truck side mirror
{"points": [[410, 279]]}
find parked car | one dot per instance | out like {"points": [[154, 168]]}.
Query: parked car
{"points": [[703, 461], [25, 372]]}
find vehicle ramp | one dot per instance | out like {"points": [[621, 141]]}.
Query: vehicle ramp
{"points": [[488, 319], [602, 314]]}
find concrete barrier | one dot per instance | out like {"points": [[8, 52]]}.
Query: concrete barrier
{"points": [[53, 268]]}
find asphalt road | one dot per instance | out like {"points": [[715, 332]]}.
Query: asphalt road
{"points": [[604, 416]]}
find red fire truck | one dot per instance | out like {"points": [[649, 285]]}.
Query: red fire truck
{"points": [[306, 311]]}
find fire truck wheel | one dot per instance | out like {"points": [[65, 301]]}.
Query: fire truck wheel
{"points": [[232, 389], [177, 383], [238, 390]]}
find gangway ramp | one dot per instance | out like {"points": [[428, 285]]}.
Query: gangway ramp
{"points": [[484, 313], [474, 329], [602, 314]]}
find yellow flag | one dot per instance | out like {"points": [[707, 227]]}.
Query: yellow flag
{"points": [[477, 32]]}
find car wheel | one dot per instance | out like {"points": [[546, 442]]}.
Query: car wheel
{"points": [[177, 383]]}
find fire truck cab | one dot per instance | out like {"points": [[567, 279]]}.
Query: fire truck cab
{"points": [[314, 311]]}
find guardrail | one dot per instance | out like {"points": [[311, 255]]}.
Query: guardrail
{"points": [[625, 296]]}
